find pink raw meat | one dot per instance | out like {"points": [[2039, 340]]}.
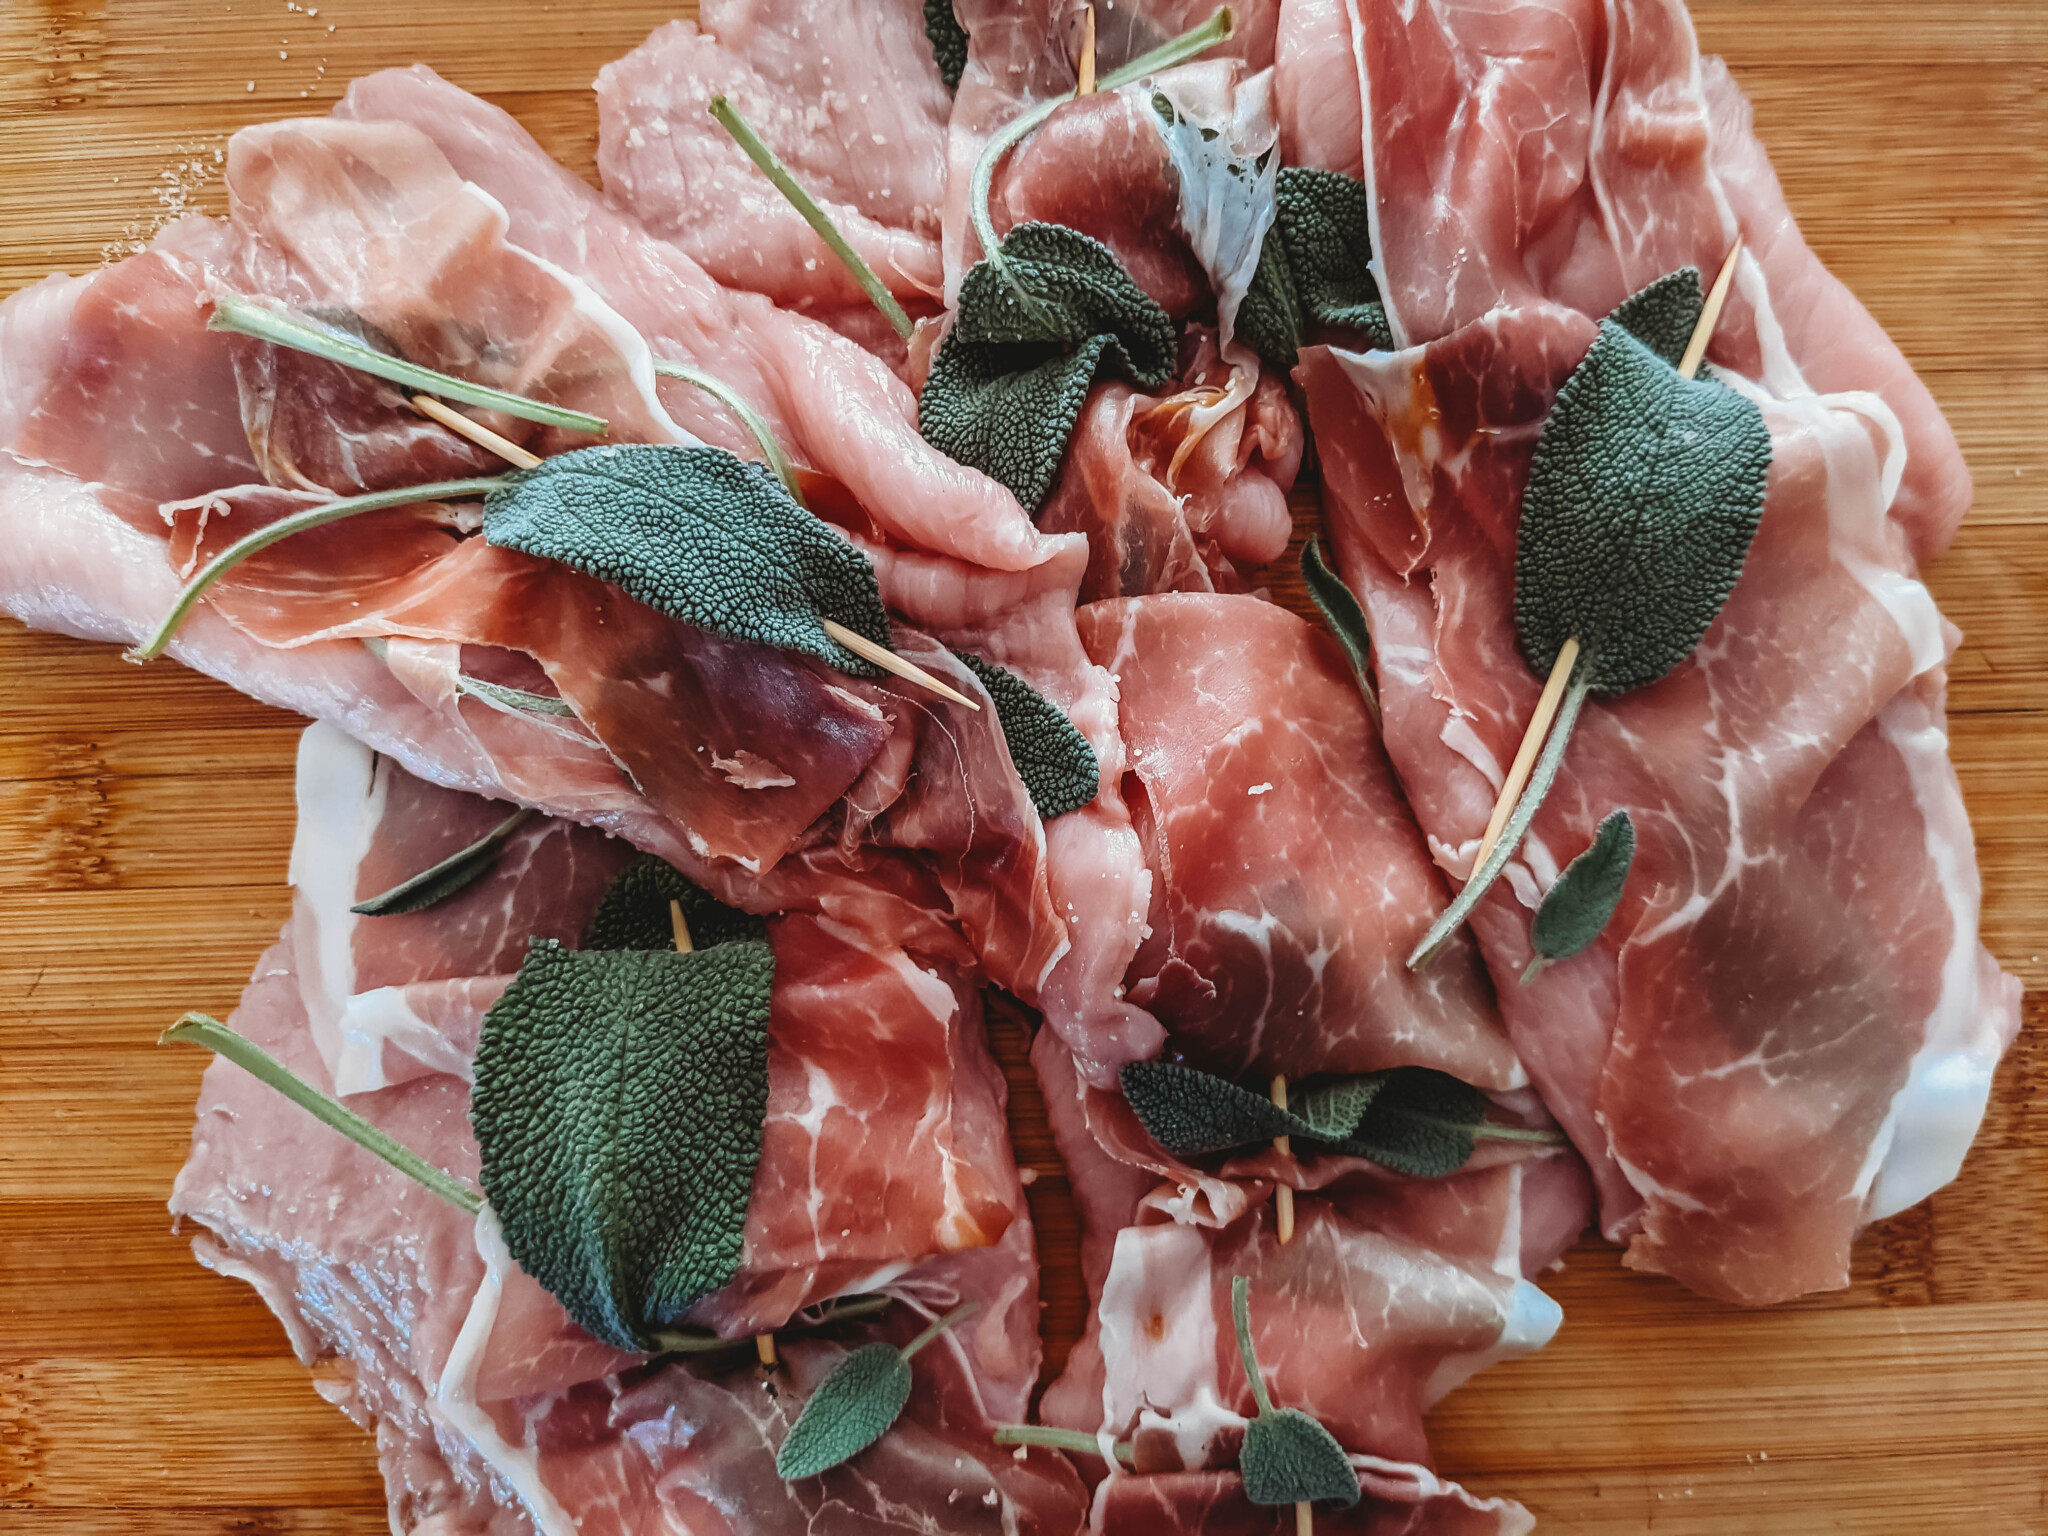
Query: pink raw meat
{"points": [[849, 99], [1769, 1045], [1289, 881], [1565, 150]]}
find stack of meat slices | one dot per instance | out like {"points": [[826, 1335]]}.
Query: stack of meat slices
{"points": [[1787, 1030]]}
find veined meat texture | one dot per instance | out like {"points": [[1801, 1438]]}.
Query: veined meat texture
{"points": [[849, 100], [885, 1165], [1789, 1028]]}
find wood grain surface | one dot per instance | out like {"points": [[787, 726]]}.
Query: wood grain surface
{"points": [[145, 818]]}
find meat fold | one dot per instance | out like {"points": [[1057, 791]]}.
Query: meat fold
{"points": [[1289, 881], [885, 1165], [851, 101]]}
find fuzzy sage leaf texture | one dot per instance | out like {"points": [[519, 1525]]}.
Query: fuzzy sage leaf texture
{"points": [[1411, 1120], [1058, 767], [1287, 1457], [1035, 325], [456, 873], [1581, 901], [634, 912], [1316, 267], [701, 535], [948, 39], [619, 1101], [1643, 497], [851, 1409], [1662, 315]]}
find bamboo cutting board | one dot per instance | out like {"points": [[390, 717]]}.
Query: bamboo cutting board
{"points": [[145, 818]]}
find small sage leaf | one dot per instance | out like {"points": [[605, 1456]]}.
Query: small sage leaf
{"points": [[701, 535], [948, 39], [1341, 611], [1035, 324], [1288, 1458], [1580, 902], [851, 1409], [1643, 497], [634, 912], [1189, 1112], [1054, 760], [618, 1109], [457, 872], [1663, 315]]}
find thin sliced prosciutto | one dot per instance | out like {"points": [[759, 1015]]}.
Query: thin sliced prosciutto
{"points": [[850, 100], [884, 1164], [1789, 1027]]}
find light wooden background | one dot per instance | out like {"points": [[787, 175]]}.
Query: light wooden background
{"points": [[145, 818]]}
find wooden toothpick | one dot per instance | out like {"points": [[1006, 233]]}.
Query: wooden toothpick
{"points": [[1568, 653], [475, 431], [764, 1346], [1283, 1194], [889, 661], [680, 926], [1087, 85]]}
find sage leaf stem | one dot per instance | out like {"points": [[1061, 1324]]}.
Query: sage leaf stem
{"points": [[1517, 827], [772, 167], [202, 1029], [1241, 1315], [248, 317], [751, 419], [1178, 50], [1079, 1441], [286, 527], [699, 1341], [940, 1325], [438, 882]]}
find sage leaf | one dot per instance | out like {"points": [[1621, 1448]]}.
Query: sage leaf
{"points": [[200, 1029], [948, 39], [618, 1108], [1036, 323], [1644, 496], [634, 911], [1581, 901], [1323, 225], [1410, 1120], [1662, 315], [851, 1409], [1270, 318], [1054, 760], [457, 872], [356, 347], [1287, 1457], [1341, 611], [855, 1405], [701, 535], [755, 423]]}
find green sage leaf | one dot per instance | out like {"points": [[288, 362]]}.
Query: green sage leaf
{"points": [[618, 1109], [634, 912], [1287, 1457], [948, 39], [1325, 224], [1036, 323], [700, 535], [1341, 611], [1663, 315], [199, 1029], [1270, 319], [1410, 1120], [358, 346], [457, 872], [851, 1409], [1053, 758], [1582, 900], [1643, 497]]}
